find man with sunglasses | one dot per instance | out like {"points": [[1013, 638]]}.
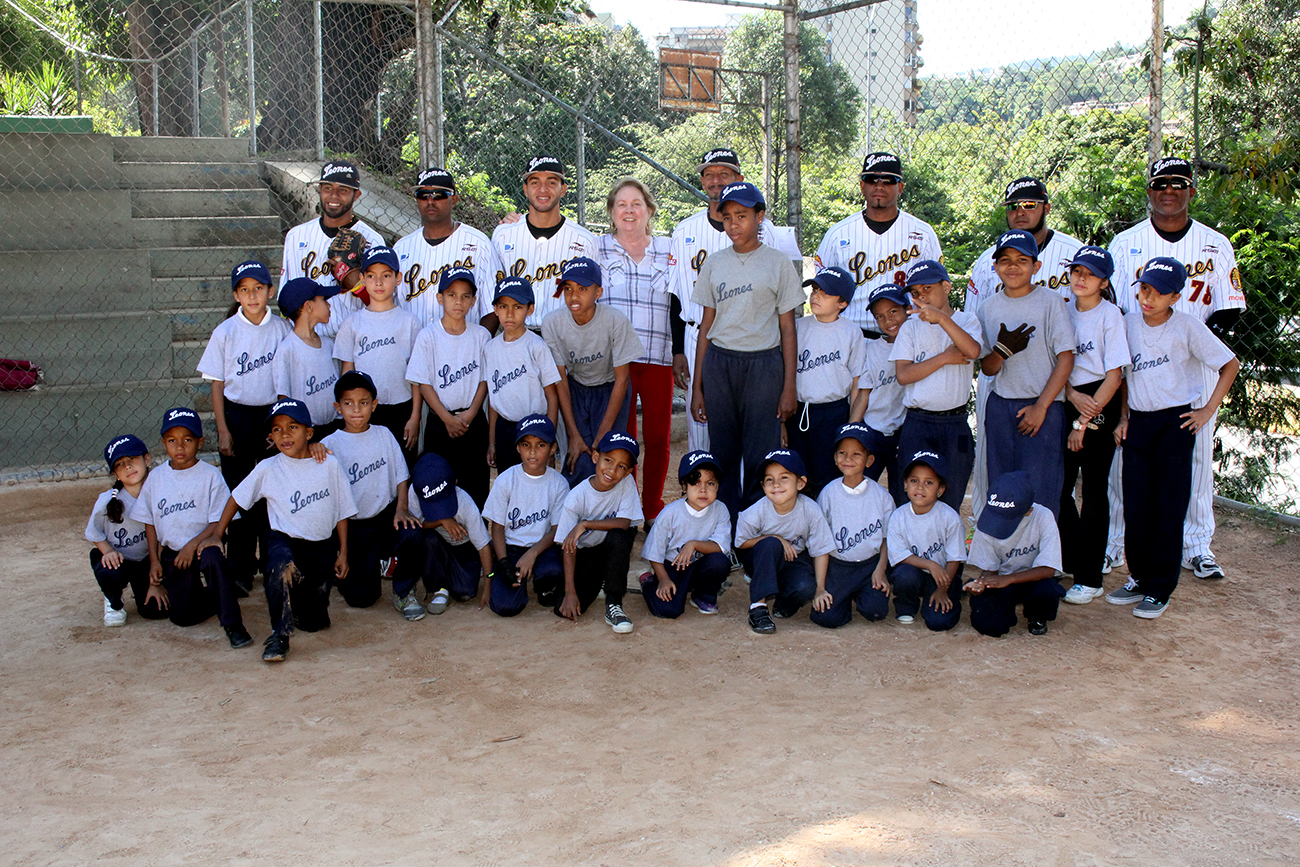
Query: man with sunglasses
{"points": [[439, 245], [306, 246], [1213, 295], [1027, 207], [877, 244]]}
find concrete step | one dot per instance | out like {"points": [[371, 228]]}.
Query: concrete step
{"points": [[187, 175], [48, 161], [179, 149], [205, 231], [88, 348], [193, 292], [201, 203], [47, 282], [185, 356], [189, 261], [194, 323], [71, 219]]}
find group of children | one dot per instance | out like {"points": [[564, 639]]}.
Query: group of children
{"points": [[330, 504]]}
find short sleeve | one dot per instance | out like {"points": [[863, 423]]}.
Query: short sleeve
{"points": [[954, 545], [747, 523], [702, 294], [212, 363], [982, 554], [791, 296], [498, 499], [344, 349], [627, 345], [655, 549], [419, 369], [551, 335], [1205, 347], [820, 540], [904, 348], [1115, 352], [547, 368]]}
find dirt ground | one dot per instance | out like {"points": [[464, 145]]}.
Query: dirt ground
{"points": [[466, 739]]}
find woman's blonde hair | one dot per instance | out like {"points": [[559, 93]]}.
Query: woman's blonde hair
{"points": [[641, 188]]}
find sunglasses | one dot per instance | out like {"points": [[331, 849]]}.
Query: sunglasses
{"points": [[436, 195], [1167, 184], [1023, 206], [883, 180]]}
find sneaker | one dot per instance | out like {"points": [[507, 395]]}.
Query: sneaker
{"points": [[1038, 627], [733, 559], [1082, 594], [1126, 595], [643, 579], [114, 616], [745, 575], [906, 618], [1149, 608], [238, 636], [760, 621], [276, 648], [439, 602], [1203, 566], [704, 607], [409, 605], [617, 620], [1110, 563], [388, 568]]}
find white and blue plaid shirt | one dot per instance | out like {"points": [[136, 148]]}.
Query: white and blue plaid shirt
{"points": [[639, 290]]}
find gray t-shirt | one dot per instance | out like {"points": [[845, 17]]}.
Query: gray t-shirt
{"points": [[949, 386], [678, 524], [1036, 542], [451, 363], [1168, 359], [589, 353], [1024, 375], [804, 526], [467, 515], [374, 466], [828, 357], [885, 410], [585, 503], [858, 518], [304, 499], [239, 355], [749, 292], [517, 373], [127, 538], [308, 374], [526, 506], [1102, 344], [181, 503], [938, 535], [380, 344]]}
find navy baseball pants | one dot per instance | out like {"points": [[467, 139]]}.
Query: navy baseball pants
{"points": [[913, 589], [792, 582], [249, 440], [201, 589], [394, 417], [1084, 531], [425, 554], [369, 541], [948, 435], [507, 455], [742, 391], [888, 459], [508, 600], [467, 453], [133, 574], [702, 579], [589, 404], [850, 583], [993, 611], [297, 581], [811, 432], [600, 567], [1157, 489], [1042, 457]]}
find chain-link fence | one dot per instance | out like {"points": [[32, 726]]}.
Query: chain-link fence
{"points": [[138, 179]]}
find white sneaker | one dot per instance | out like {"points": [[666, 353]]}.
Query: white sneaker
{"points": [[906, 618], [114, 616], [1112, 563], [438, 604], [1081, 594], [1203, 566]]}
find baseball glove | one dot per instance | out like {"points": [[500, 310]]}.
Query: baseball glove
{"points": [[345, 254]]}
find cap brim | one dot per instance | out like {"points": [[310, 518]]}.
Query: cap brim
{"points": [[997, 525]]}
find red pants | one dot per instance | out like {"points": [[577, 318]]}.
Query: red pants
{"points": [[653, 383]]}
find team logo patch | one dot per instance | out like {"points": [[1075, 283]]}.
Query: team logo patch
{"points": [[915, 236], [844, 242], [507, 247]]}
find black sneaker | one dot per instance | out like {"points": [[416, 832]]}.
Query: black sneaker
{"points": [[1038, 627], [760, 621], [277, 648], [617, 619], [238, 636]]}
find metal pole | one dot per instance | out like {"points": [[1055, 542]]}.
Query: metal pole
{"points": [[765, 87], [793, 146], [1156, 131], [320, 83], [223, 78], [580, 168], [871, 71], [154, 88], [424, 49], [379, 115], [439, 138], [76, 69], [195, 84], [252, 89]]}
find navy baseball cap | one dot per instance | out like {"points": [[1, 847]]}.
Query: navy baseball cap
{"points": [[294, 409], [1016, 239], [340, 172], [932, 460], [544, 164], [927, 272], [451, 275], [436, 178], [1095, 259], [882, 163], [1164, 274], [1026, 189], [434, 482], [536, 425], [182, 416], [1171, 168], [1010, 497], [354, 379], [692, 461], [619, 440], [870, 439], [720, 157], [299, 291], [834, 281], [378, 255], [128, 446], [742, 193], [582, 271], [251, 268], [888, 292], [786, 458], [517, 288]]}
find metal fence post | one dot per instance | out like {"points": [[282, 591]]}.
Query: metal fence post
{"points": [[793, 146], [439, 138], [154, 87], [425, 123], [252, 90], [76, 70], [765, 87], [1156, 131], [195, 84], [320, 82]]}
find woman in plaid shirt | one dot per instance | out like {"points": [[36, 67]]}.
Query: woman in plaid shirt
{"points": [[635, 265]]}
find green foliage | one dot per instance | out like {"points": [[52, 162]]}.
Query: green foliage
{"points": [[45, 92]]}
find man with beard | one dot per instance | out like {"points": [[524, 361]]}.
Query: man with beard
{"points": [[306, 246]]}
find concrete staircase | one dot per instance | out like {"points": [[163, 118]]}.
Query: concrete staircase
{"points": [[119, 266]]}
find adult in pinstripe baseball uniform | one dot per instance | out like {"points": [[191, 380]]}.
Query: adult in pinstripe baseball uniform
{"points": [[1027, 207], [877, 244], [694, 240], [1214, 296]]}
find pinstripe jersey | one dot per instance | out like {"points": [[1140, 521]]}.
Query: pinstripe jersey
{"points": [[423, 263], [694, 240], [1054, 274], [1213, 282], [873, 259], [540, 260], [306, 247]]}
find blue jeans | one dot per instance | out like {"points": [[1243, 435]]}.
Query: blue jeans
{"points": [[508, 600], [1041, 456], [297, 581]]}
